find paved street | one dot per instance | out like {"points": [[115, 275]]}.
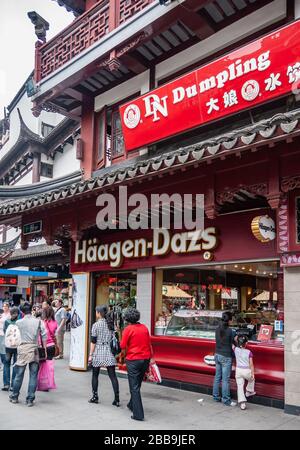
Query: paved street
{"points": [[165, 409]]}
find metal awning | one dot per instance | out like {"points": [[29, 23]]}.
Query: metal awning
{"points": [[28, 273]]}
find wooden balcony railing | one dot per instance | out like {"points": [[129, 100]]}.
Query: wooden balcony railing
{"points": [[89, 28]]}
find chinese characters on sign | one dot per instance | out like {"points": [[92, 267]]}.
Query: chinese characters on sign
{"points": [[260, 71], [32, 228]]}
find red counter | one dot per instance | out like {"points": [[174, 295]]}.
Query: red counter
{"points": [[182, 359]]}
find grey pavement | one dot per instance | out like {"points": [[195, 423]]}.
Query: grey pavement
{"points": [[67, 408]]}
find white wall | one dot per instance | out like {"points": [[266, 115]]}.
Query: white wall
{"points": [[144, 295], [27, 179], [66, 162], [138, 84], [297, 9], [292, 337]]}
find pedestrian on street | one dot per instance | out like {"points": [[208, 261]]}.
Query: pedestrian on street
{"points": [[3, 317], [223, 359], [136, 342], [61, 319], [101, 354], [11, 346], [244, 371], [30, 330], [50, 324]]}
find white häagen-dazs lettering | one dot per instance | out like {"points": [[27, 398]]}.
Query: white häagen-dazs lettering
{"points": [[194, 237], [80, 252]]}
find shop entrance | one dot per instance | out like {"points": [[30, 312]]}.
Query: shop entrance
{"points": [[117, 291]]}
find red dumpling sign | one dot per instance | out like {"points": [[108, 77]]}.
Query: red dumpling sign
{"points": [[256, 73]]}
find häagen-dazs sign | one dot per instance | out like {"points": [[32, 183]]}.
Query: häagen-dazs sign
{"points": [[263, 228], [162, 242], [256, 73]]}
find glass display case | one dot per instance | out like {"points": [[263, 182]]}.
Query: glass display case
{"points": [[194, 324]]}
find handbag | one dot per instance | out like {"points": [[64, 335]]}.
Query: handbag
{"points": [[115, 344], [53, 337], [41, 349]]}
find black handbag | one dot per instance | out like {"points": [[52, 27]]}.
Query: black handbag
{"points": [[115, 344], [41, 350]]}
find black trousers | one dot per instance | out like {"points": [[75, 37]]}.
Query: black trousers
{"points": [[113, 378], [136, 370]]}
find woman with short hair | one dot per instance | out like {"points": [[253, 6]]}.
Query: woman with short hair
{"points": [[137, 344], [101, 354]]}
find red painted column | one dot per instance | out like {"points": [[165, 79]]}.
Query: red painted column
{"points": [[88, 136]]}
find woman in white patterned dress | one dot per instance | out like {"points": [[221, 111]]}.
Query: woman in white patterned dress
{"points": [[101, 355]]}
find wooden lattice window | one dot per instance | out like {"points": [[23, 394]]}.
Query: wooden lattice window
{"points": [[117, 139]]}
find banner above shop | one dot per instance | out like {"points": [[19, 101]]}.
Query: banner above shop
{"points": [[254, 74]]}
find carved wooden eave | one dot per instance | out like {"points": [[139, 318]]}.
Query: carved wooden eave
{"points": [[279, 128], [76, 6]]}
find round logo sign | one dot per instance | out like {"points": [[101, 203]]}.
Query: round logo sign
{"points": [[263, 228], [250, 90], [132, 116]]}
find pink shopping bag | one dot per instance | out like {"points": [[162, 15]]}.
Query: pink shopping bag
{"points": [[46, 376]]}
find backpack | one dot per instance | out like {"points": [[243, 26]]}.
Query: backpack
{"points": [[12, 336]]}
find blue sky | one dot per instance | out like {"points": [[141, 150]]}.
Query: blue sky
{"points": [[17, 39]]}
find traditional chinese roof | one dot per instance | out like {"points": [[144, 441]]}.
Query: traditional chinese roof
{"points": [[35, 251], [76, 6], [277, 128], [7, 249], [20, 151]]}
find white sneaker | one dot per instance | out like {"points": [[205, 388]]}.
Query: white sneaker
{"points": [[243, 406], [231, 404], [250, 394]]}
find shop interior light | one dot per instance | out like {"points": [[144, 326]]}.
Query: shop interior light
{"points": [[243, 268], [265, 273], [250, 270], [236, 266]]}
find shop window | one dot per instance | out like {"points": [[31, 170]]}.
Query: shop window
{"points": [[118, 291], [47, 170], [189, 302], [46, 129]]}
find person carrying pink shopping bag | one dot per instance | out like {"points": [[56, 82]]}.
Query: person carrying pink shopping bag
{"points": [[46, 380], [244, 371]]}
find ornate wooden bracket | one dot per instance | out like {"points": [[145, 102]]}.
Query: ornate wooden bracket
{"points": [[211, 207]]}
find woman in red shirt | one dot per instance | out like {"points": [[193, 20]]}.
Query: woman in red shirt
{"points": [[136, 342]]}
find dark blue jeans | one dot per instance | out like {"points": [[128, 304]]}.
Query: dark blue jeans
{"points": [[32, 385], [223, 372], [5, 380], [11, 356]]}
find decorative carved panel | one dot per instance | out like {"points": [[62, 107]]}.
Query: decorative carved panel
{"points": [[84, 32], [129, 8]]}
